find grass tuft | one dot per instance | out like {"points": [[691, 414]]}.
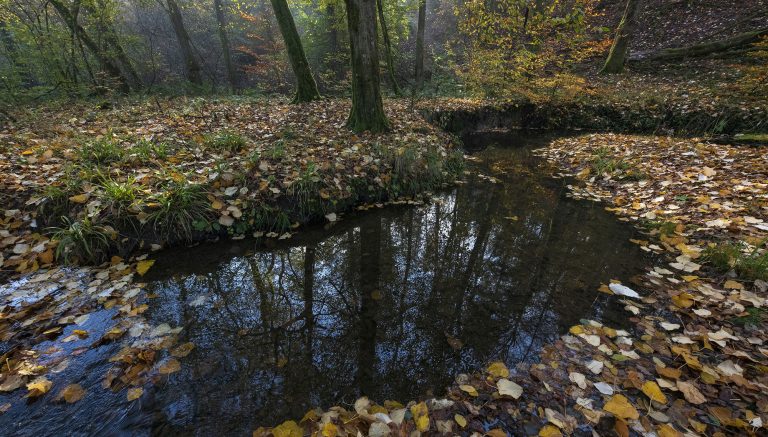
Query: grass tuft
{"points": [[225, 141], [82, 241], [182, 208], [748, 265], [100, 152]]}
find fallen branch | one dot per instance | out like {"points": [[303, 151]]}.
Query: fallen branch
{"points": [[702, 49]]}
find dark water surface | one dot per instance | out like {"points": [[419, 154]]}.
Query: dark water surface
{"points": [[391, 304]]}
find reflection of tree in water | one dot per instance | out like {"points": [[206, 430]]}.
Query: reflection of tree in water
{"points": [[369, 311]]}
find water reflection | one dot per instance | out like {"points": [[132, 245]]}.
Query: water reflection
{"points": [[391, 305]]}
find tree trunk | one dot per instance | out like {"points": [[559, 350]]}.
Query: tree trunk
{"points": [[367, 112], [224, 38], [618, 55], [387, 47], [107, 63], [306, 88], [706, 48], [420, 44], [185, 43]]}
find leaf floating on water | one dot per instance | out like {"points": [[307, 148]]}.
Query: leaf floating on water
{"points": [[289, 428], [143, 266], [421, 416], [330, 430], [39, 386], [509, 388], [72, 393], [623, 290], [183, 350], [170, 366], [135, 393]]}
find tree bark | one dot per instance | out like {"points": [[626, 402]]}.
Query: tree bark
{"points": [[420, 44], [387, 47], [224, 38], [185, 43], [306, 88], [618, 55], [367, 112], [107, 63], [706, 48]]}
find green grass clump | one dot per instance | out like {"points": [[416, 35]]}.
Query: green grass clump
{"points": [[182, 208], [731, 256], [226, 141], [82, 241], [119, 197], [147, 150], [100, 152], [602, 163]]}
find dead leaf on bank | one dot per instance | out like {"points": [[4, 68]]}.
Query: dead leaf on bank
{"points": [[620, 407]]}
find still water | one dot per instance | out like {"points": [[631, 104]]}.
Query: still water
{"points": [[391, 304]]}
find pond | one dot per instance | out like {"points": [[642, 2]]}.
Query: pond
{"points": [[392, 304]]}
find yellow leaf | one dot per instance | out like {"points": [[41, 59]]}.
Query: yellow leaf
{"points": [[183, 350], [72, 393], [576, 330], [460, 420], [421, 416], [621, 408], [39, 386], [79, 198], [135, 393], [143, 266], [652, 390], [497, 369], [469, 389], [550, 431], [666, 430], [289, 428], [329, 430], [170, 366]]}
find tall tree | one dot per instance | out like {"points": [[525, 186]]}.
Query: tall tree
{"points": [[306, 88], [367, 107], [185, 43], [420, 43], [224, 38], [618, 55], [106, 61], [387, 47]]}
